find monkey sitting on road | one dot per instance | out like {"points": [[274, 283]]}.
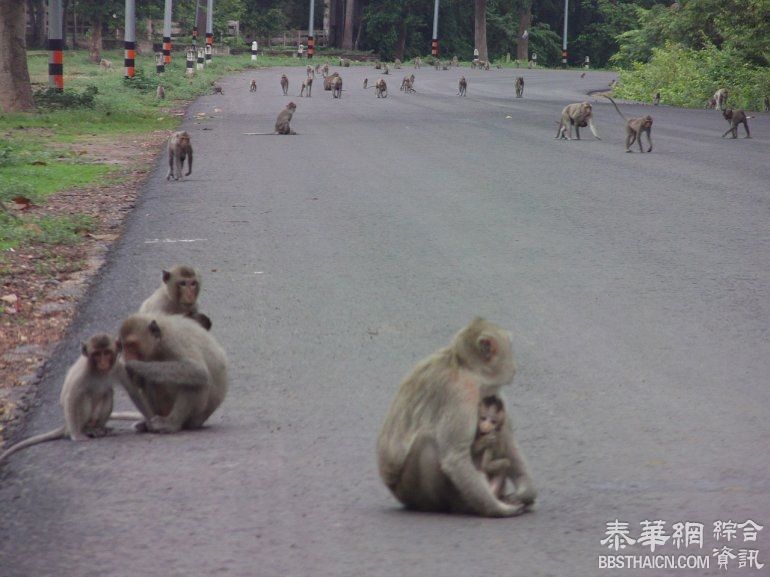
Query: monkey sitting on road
{"points": [[218, 89], [487, 450], [253, 86], [635, 127], [179, 149], [462, 86], [282, 123], [736, 118], [86, 395], [579, 115], [424, 447], [174, 371]]}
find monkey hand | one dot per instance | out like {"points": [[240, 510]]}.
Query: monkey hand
{"points": [[134, 374], [487, 441]]}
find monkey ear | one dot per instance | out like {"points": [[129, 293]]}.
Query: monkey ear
{"points": [[84, 349], [154, 329], [487, 347], [166, 276]]}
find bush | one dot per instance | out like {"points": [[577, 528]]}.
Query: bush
{"points": [[54, 99]]}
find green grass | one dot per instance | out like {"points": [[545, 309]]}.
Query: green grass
{"points": [[39, 181]]}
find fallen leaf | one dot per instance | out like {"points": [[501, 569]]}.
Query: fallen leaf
{"points": [[10, 299], [21, 202]]}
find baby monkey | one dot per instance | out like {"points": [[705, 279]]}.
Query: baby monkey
{"points": [[487, 450]]}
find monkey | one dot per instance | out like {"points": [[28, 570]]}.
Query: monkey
{"points": [[253, 87], [417, 62], [105, 64], [307, 84], [720, 99], [378, 65], [381, 88], [177, 295], [455, 62], [487, 451], [397, 64], [160, 92], [583, 75], [218, 89], [579, 114], [284, 84], [486, 65], [735, 118], [284, 118], [499, 66], [766, 104], [318, 68], [711, 103], [346, 63], [86, 396], [656, 99], [519, 85], [173, 370], [407, 85], [179, 148], [474, 64], [325, 70], [445, 66], [437, 64], [337, 87], [424, 446], [613, 82], [309, 71], [366, 83], [329, 80], [463, 86], [635, 127]]}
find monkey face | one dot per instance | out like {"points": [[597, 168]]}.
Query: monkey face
{"points": [[102, 360], [139, 340], [490, 419], [187, 291]]}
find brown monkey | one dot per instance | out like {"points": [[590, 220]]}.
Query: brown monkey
{"points": [[318, 68], [381, 88], [378, 65], [282, 123], [579, 115], [179, 148], [397, 64], [766, 104], [284, 84], [174, 371], [455, 62], [307, 84], [385, 69], [86, 396], [519, 85], [325, 70], [720, 99], [711, 103], [635, 127], [583, 75], [656, 99], [160, 92], [344, 62], [366, 83], [463, 86], [329, 80], [424, 447], [407, 85], [105, 64], [253, 87], [736, 118], [337, 87], [417, 62], [218, 89], [309, 70], [487, 450]]}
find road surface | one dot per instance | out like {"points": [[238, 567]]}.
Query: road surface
{"points": [[636, 287]]}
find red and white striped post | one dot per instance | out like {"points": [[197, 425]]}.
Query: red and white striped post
{"points": [[167, 34], [55, 46], [129, 39], [434, 42], [310, 39], [209, 29]]}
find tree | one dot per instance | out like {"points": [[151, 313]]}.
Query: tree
{"points": [[525, 22], [347, 33], [15, 90], [480, 28]]}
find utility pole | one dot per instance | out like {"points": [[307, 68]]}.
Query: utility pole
{"points": [[310, 39], [55, 46], [564, 39], [434, 43], [129, 40], [209, 29], [167, 34]]}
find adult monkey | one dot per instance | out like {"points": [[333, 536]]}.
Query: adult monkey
{"points": [[519, 85], [579, 114], [177, 295], [462, 86], [179, 149], [175, 371], [720, 99], [736, 118], [635, 127], [424, 447]]}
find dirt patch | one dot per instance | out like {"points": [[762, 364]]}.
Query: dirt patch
{"points": [[41, 285]]}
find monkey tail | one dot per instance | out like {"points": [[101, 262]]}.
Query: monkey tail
{"points": [[616, 107], [126, 416], [59, 433]]}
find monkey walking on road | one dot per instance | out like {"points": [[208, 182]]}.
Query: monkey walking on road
{"points": [[635, 127]]}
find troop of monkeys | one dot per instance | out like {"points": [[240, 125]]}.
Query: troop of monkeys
{"points": [[445, 445]]}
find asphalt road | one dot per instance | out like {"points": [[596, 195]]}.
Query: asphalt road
{"points": [[636, 287]]}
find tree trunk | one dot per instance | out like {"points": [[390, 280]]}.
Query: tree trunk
{"points": [[38, 22], [401, 42], [522, 44], [15, 90], [347, 33], [480, 28], [95, 41]]}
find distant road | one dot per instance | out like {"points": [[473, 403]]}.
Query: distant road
{"points": [[637, 288]]}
